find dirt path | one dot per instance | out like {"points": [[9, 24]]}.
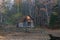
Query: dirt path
{"points": [[37, 34]]}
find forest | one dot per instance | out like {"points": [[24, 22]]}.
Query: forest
{"points": [[11, 13]]}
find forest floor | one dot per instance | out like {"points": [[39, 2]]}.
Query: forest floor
{"points": [[33, 34]]}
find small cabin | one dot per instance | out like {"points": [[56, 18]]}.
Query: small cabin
{"points": [[23, 22]]}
